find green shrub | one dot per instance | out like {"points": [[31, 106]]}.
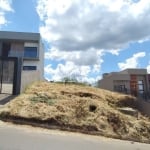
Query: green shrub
{"points": [[42, 98]]}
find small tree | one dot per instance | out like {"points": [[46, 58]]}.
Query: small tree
{"points": [[69, 79]]}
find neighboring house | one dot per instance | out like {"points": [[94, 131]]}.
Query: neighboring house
{"points": [[130, 81], [21, 60]]}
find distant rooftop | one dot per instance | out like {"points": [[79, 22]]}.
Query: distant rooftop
{"points": [[134, 71], [11, 35], [139, 71]]}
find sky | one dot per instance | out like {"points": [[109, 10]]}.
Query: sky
{"points": [[84, 38]]}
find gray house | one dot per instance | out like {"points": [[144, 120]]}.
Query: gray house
{"points": [[130, 81], [21, 60]]}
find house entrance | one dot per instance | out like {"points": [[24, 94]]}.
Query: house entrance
{"points": [[10, 75], [7, 73]]}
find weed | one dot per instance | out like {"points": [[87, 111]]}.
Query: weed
{"points": [[42, 98]]}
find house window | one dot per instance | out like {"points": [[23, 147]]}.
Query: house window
{"points": [[120, 88], [141, 86], [140, 82], [29, 67], [30, 52]]}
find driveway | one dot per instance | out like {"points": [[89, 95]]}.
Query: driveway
{"points": [[7, 88], [4, 98]]}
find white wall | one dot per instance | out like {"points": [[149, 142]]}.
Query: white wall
{"points": [[28, 77]]}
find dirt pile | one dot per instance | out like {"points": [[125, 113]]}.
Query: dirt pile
{"points": [[79, 108]]}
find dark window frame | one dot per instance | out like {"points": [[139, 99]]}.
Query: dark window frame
{"points": [[141, 84], [31, 52], [120, 88], [29, 68]]}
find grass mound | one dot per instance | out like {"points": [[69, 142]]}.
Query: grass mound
{"points": [[78, 108]]}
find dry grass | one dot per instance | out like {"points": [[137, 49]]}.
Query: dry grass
{"points": [[82, 108]]}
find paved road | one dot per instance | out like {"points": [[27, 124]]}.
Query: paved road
{"points": [[28, 138]]}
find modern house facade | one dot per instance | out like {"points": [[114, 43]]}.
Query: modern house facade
{"points": [[130, 81], [21, 60]]}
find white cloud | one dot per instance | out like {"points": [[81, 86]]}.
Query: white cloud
{"points": [[131, 62], [106, 24], [78, 64], [85, 58], [81, 31], [69, 69], [5, 6]]}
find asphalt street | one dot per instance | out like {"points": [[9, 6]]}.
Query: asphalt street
{"points": [[16, 137]]}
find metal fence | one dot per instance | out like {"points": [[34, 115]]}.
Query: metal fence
{"points": [[142, 95], [145, 96], [10, 75], [6, 76]]}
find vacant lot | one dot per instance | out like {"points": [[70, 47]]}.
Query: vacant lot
{"points": [[79, 108]]}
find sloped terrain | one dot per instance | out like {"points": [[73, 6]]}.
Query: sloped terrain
{"points": [[78, 108]]}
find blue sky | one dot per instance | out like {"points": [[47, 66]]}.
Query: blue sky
{"points": [[84, 39]]}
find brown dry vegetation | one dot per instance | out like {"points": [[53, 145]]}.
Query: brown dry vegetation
{"points": [[79, 108]]}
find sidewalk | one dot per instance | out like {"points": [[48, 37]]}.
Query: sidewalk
{"points": [[5, 98]]}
